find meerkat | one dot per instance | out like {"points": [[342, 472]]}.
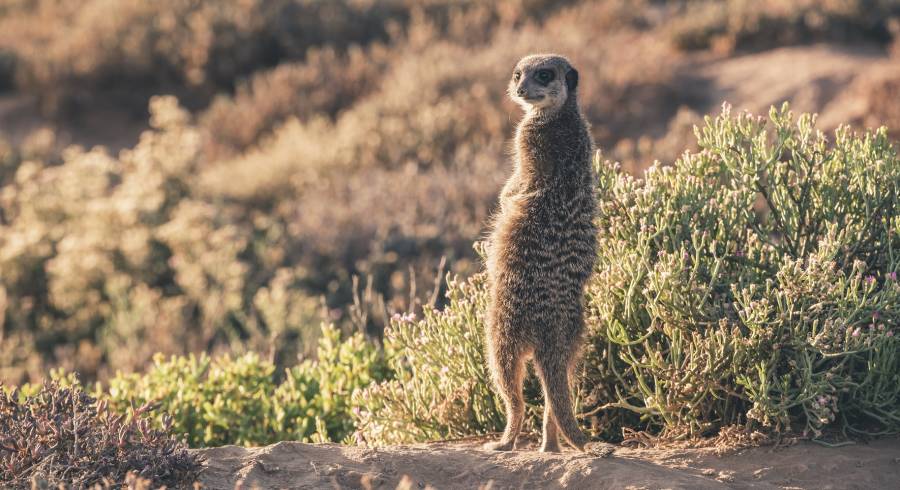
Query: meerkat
{"points": [[542, 250]]}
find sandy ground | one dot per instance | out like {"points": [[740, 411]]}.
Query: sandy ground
{"points": [[830, 80], [464, 465]]}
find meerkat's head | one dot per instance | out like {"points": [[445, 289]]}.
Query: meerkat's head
{"points": [[543, 82]]}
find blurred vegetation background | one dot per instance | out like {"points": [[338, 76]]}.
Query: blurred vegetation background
{"points": [[187, 176]]}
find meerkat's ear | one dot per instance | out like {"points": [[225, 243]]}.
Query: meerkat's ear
{"points": [[571, 79]]}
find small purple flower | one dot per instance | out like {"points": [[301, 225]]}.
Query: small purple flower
{"points": [[396, 317], [890, 333], [870, 279], [738, 253], [855, 333], [892, 276], [876, 315]]}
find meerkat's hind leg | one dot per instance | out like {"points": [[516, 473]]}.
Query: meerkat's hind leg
{"points": [[553, 370], [508, 368], [550, 442]]}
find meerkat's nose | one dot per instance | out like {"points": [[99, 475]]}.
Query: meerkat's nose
{"points": [[521, 91]]}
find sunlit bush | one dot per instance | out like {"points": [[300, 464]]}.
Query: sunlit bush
{"points": [[441, 387], [753, 283], [322, 85], [240, 400], [109, 260]]}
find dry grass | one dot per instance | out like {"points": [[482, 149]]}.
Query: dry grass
{"points": [[752, 25], [60, 436]]}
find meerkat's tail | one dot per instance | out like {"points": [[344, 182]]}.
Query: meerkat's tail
{"points": [[555, 376]]}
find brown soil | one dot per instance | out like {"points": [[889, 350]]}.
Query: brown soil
{"points": [[464, 465], [830, 80]]}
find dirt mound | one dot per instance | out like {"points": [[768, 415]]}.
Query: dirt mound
{"points": [[830, 80], [465, 465]]}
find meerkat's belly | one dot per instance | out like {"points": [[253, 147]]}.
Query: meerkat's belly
{"points": [[535, 273]]}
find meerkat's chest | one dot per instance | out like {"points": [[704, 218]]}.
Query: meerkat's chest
{"points": [[536, 223]]}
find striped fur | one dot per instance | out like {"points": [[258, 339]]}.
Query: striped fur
{"points": [[542, 251]]}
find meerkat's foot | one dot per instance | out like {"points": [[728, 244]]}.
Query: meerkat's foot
{"points": [[550, 448], [579, 447], [500, 446]]}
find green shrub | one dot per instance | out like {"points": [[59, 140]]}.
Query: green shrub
{"points": [[238, 400], [753, 283], [441, 387]]}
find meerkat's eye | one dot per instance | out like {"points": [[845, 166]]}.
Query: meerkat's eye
{"points": [[544, 76], [517, 75]]}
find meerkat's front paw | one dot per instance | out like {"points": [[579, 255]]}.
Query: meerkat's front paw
{"points": [[499, 446]]}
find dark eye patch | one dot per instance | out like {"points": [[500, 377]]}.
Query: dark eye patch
{"points": [[544, 76], [517, 75]]}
